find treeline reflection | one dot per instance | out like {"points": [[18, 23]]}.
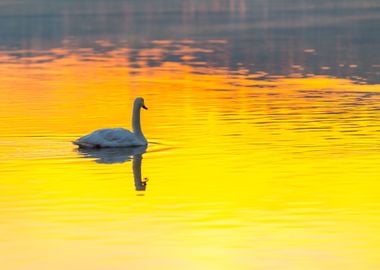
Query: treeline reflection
{"points": [[287, 37]]}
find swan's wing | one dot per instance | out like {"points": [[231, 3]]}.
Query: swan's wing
{"points": [[109, 137]]}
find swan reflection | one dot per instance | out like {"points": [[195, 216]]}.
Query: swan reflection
{"points": [[119, 155]]}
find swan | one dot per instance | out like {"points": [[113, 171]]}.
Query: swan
{"points": [[117, 137]]}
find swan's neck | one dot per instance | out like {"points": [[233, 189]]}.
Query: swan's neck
{"points": [[136, 124]]}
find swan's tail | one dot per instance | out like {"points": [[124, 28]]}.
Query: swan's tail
{"points": [[84, 145]]}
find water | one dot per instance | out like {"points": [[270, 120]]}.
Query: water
{"points": [[262, 122]]}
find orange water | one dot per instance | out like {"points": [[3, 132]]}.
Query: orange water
{"points": [[244, 171]]}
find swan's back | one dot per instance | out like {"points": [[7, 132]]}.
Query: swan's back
{"points": [[109, 137]]}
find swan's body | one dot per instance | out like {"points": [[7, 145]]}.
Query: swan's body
{"points": [[117, 137], [110, 137]]}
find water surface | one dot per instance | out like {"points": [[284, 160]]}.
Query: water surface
{"points": [[262, 122]]}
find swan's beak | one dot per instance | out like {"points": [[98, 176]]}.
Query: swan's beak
{"points": [[144, 107]]}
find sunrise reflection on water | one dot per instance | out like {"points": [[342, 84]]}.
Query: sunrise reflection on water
{"points": [[250, 165]]}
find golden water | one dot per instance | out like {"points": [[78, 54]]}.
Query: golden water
{"points": [[244, 173], [263, 135]]}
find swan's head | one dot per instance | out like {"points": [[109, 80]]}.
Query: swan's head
{"points": [[139, 102]]}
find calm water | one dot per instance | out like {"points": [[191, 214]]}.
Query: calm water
{"points": [[263, 129]]}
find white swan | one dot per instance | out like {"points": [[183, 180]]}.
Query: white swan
{"points": [[117, 137]]}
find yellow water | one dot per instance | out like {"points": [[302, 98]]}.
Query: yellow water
{"points": [[245, 170]]}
